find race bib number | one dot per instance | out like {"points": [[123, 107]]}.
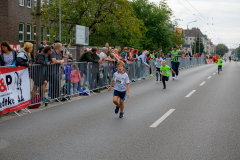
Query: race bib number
{"points": [[176, 59], [119, 81], [164, 72]]}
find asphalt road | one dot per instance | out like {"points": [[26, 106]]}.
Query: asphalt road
{"points": [[158, 124]]}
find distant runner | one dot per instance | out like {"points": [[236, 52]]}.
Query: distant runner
{"points": [[164, 71], [175, 61], [219, 60]]}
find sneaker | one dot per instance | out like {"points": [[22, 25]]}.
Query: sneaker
{"points": [[173, 78], [164, 87], [176, 77], [117, 109], [121, 115], [45, 99], [151, 75]]}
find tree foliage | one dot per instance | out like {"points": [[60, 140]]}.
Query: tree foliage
{"points": [[221, 49], [136, 23]]}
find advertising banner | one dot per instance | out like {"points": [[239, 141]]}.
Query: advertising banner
{"points": [[14, 89]]}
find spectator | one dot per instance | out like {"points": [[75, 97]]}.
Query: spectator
{"points": [[135, 55], [8, 55], [89, 57], [169, 54], [56, 58], [24, 55], [66, 51], [40, 76], [40, 49], [44, 43], [107, 45], [152, 55], [70, 57], [143, 58], [160, 51], [103, 55], [75, 78], [67, 71]]}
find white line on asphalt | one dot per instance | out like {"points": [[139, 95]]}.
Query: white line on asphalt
{"points": [[160, 120], [190, 93], [209, 77], [214, 73], [202, 83]]}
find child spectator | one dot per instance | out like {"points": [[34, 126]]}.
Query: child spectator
{"points": [[67, 71], [70, 58], [121, 87], [75, 78]]}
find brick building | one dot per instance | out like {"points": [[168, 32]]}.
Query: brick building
{"points": [[15, 18]]}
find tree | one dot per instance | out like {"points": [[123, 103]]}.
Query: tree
{"points": [[221, 49], [157, 20], [197, 46], [105, 18]]}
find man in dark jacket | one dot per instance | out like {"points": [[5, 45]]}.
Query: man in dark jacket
{"points": [[89, 57]]}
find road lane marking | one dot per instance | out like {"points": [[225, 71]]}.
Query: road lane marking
{"points": [[214, 73], [160, 120], [209, 77], [190, 93], [202, 83]]}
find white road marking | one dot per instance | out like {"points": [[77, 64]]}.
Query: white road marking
{"points": [[190, 93], [214, 73], [202, 83], [209, 77], [160, 120]]}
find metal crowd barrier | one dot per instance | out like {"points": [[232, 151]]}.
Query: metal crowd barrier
{"points": [[56, 82]]}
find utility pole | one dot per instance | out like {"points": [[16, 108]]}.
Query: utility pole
{"points": [[38, 25], [195, 45]]}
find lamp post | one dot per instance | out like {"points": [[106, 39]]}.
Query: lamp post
{"points": [[187, 32]]}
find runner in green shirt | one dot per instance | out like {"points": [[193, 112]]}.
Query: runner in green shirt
{"points": [[164, 71], [219, 60], [175, 61]]}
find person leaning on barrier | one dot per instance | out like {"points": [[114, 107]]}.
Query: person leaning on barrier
{"points": [[40, 75], [135, 55], [89, 57], [8, 55], [24, 55], [56, 58]]}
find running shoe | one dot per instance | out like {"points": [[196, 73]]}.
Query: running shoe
{"points": [[117, 109], [164, 87], [121, 115], [173, 78], [45, 99], [151, 75], [176, 77]]}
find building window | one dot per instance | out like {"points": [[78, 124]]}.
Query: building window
{"points": [[48, 35], [21, 2], [29, 3], [34, 33], [28, 32], [21, 32]]}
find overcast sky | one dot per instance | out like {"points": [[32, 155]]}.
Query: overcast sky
{"points": [[218, 19]]}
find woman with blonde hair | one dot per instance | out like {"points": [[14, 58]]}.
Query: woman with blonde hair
{"points": [[24, 55]]}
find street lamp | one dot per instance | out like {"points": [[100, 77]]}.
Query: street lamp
{"points": [[187, 32]]}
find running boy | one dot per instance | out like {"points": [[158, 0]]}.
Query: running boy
{"points": [[158, 64], [121, 87], [164, 71], [219, 60]]}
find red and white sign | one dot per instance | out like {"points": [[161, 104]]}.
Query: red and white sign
{"points": [[15, 47], [14, 89], [209, 61]]}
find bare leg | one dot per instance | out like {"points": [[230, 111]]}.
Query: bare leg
{"points": [[43, 90], [34, 90], [121, 105], [115, 101]]}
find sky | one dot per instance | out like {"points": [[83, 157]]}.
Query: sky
{"points": [[218, 19]]}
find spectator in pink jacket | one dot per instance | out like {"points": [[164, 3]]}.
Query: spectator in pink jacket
{"points": [[75, 78]]}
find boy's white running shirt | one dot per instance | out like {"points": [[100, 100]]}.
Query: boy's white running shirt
{"points": [[120, 81]]}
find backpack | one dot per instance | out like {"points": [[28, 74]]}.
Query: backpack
{"points": [[35, 100]]}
